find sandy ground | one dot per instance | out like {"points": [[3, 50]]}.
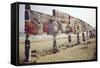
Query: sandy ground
{"points": [[84, 51]]}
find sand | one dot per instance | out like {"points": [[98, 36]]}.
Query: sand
{"points": [[84, 51]]}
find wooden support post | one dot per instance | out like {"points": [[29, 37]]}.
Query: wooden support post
{"points": [[78, 39], [87, 35], [55, 49], [69, 41], [90, 34], [83, 36], [27, 48]]}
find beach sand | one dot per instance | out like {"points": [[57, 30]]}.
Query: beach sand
{"points": [[84, 51]]}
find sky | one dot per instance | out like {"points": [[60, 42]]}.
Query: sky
{"points": [[86, 14]]}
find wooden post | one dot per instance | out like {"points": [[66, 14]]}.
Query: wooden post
{"points": [[55, 49], [78, 40], [27, 48], [87, 35], [83, 36], [90, 34], [69, 41], [27, 41]]}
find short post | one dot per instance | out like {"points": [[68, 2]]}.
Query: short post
{"points": [[87, 35], [69, 41], [90, 34], [55, 49], [78, 39], [27, 48], [83, 36]]}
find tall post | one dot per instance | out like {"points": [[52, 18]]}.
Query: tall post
{"points": [[27, 41], [69, 33], [55, 31], [77, 31]]}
